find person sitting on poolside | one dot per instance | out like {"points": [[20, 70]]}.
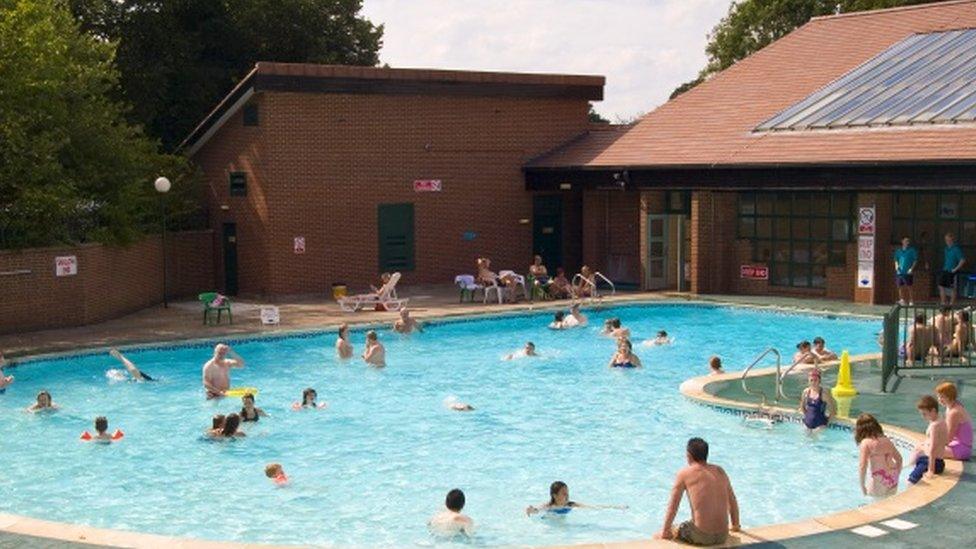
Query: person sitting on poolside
{"points": [[375, 353], [560, 287], [944, 324], [821, 351], [486, 277], [250, 412], [230, 429], [586, 286], [136, 373], [575, 318], [342, 345], [715, 366], [276, 473], [384, 279], [804, 353], [816, 405], [309, 396], [959, 423], [617, 330], [560, 504], [216, 425], [879, 454], [539, 273], [528, 350], [405, 324], [43, 404], [216, 371], [712, 499], [451, 522], [927, 458], [558, 321], [921, 339], [4, 380], [625, 357], [962, 335]]}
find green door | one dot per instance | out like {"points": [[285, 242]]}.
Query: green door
{"points": [[395, 222], [547, 229]]}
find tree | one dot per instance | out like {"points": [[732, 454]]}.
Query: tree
{"points": [[71, 168], [596, 117], [751, 25], [178, 58]]}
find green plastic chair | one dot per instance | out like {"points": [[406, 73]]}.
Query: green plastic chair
{"points": [[207, 299], [536, 291]]}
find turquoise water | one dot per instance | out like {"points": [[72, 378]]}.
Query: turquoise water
{"points": [[373, 467]]}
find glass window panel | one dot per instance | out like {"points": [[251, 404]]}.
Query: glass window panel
{"points": [[969, 205], [764, 227], [764, 203], [904, 205], [968, 236], [781, 251], [820, 206], [780, 275], [783, 203], [818, 277], [801, 253], [747, 227], [901, 228], [747, 204], [820, 255], [801, 279], [840, 204], [801, 204], [801, 228], [762, 251], [927, 206], [949, 206], [819, 229], [781, 227], [840, 229], [838, 254]]}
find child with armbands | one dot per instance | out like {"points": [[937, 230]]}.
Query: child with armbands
{"points": [[276, 473], [101, 432], [308, 400]]}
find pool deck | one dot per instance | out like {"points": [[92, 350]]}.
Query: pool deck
{"points": [[938, 511]]}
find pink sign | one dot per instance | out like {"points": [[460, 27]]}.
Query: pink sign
{"points": [[66, 265], [427, 185], [754, 272], [299, 244]]}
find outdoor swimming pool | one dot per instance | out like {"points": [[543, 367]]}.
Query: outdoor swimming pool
{"points": [[373, 467]]}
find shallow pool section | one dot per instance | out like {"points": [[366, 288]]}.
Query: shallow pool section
{"points": [[371, 469]]}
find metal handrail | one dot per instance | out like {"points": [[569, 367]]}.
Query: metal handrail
{"points": [[797, 362], [579, 276], [613, 289], [761, 356]]}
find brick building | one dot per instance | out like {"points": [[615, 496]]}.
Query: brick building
{"points": [[753, 181], [320, 174]]}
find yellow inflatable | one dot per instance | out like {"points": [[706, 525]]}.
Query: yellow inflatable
{"points": [[240, 391]]}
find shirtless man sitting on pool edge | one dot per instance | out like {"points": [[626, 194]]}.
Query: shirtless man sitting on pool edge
{"points": [[216, 372]]}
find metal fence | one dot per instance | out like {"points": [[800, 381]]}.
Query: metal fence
{"points": [[926, 337]]}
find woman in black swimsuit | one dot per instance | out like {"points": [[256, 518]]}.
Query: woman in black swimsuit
{"points": [[249, 412]]}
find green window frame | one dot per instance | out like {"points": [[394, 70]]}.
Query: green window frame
{"points": [[797, 234], [237, 183]]}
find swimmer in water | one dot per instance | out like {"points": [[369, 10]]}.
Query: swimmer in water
{"points": [[101, 432], [342, 346], [230, 430], [625, 357], [528, 350], [406, 324], [216, 371], [558, 321], [43, 404], [276, 473], [250, 412], [308, 400], [136, 373], [4, 380], [607, 327], [375, 354], [661, 339], [715, 366], [452, 403], [559, 503], [618, 331], [216, 425], [575, 318], [451, 521]]}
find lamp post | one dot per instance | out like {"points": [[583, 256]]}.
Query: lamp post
{"points": [[162, 187]]}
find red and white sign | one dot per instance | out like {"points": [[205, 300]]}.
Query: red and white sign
{"points": [[754, 272], [865, 220], [865, 249], [299, 244], [66, 265], [427, 185]]}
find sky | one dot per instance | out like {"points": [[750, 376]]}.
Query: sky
{"points": [[645, 48]]}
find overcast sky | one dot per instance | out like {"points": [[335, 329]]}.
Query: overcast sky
{"points": [[645, 48]]}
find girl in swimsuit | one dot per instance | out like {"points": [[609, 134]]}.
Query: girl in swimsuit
{"points": [[959, 422], [559, 503], [815, 403], [308, 400], [625, 357], [43, 404], [877, 451], [250, 412]]}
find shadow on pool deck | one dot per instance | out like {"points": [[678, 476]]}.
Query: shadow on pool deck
{"points": [[946, 522]]}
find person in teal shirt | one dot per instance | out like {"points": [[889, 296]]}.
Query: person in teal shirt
{"points": [[906, 259], [951, 265]]}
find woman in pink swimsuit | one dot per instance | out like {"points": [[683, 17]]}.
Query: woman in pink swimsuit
{"points": [[959, 421], [878, 452]]}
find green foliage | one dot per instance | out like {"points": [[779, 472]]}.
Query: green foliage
{"points": [[751, 25], [71, 168], [596, 117], [178, 58]]}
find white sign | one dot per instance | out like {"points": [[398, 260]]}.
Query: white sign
{"points": [[270, 315], [65, 265], [299, 244], [865, 220], [865, 248], [865, 274]]}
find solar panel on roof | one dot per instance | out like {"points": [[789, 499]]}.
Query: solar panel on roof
{"points": [[924, 79]]}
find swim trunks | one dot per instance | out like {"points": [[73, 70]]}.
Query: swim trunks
{"points": [[922, 466], [947, 279], [904, 280], [689, 533]]}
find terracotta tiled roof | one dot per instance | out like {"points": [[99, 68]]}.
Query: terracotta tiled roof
{"points": [[712, 124]]}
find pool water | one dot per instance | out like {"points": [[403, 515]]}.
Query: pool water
{"points": [[373, 467]]}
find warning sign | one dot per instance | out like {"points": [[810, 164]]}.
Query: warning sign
{"points": [[865, 220], [66, 265]]}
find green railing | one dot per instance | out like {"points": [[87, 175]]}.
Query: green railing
{"points": [[910, 344]]}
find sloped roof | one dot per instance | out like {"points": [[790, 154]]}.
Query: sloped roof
{"points": [[713, 124]]}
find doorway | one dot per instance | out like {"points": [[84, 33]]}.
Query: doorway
{"points": [[395, 223], [547, 229], [230, 258], [656, 277]]}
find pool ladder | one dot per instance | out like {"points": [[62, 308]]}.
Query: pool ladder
{"points": [[780, 375], [597, 274]]}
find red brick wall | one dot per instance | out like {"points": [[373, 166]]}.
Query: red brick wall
{"points": [[611, 234], [111, 281], [319, 164]]}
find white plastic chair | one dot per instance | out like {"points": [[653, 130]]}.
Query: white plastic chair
{"points": [[519, 281], [497, 289], [384, 298], [467, 285]]}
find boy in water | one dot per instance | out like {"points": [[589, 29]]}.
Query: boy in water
{"points": [[528, 350], [451, 521], [803, 353], [101, 431], [820, 349], [715, 366], [405, 324], [927, 458], [276, 473], [375, 354]]}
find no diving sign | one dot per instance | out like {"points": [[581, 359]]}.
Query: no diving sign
{"points": [[865, 220]]}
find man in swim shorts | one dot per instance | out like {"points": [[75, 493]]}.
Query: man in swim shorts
{"points": [[953, 261], [451, 521], [375, 354], [712, 500], [216, 371]]}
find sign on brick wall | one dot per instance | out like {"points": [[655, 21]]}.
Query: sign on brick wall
{"points": [[427, 185], [754, 272], [299, 244], [66, 265], [865, 220], [865, 248]]}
